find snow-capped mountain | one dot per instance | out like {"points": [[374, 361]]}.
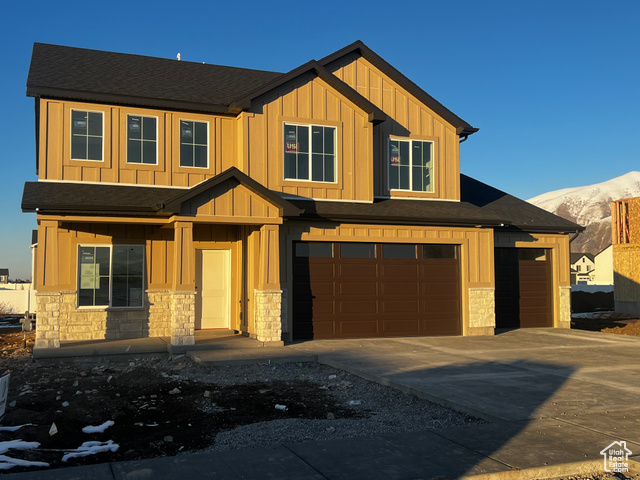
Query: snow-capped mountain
{"points": [[590, 207]]}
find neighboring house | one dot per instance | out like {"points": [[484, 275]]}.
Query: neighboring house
{"points": [[4, 275], [325, 202], [625, 233], [604, 266], [583, 267]]}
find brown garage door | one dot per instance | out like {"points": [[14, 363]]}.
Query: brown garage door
{"points": [[523, 288], [343, 290]]}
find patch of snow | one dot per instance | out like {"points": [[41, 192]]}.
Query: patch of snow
{"points": [[7, 462], [91, 448], [99, 428], [17, 445], [14, 428]]}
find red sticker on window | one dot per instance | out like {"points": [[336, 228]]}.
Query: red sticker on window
{"points": [[395, 160], [291, 147]]}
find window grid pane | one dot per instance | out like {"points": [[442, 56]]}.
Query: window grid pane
{"points": [[86, 135], [315, 162], [93, 276], [410, 165], [141, 140], [193, 144]]}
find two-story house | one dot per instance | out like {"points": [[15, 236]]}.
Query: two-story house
{"points": [[325, 202], [583, 268]]}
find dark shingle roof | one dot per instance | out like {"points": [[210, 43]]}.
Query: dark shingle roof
{"points": [[54, 197], [577, 256], [518, 213], [4, 271], [94, 75], [480, 204]]}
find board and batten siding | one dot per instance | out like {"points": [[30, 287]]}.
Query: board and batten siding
{"points": [[409, 118], [309, 100], [55, 161]]}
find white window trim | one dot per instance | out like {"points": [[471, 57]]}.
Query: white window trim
{"points": [[71, 134], [127, 139], [208, 142], [102, 307], [433, 167], [335, 155]]}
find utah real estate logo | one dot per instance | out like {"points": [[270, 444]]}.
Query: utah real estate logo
{"points": [[616, 457]]}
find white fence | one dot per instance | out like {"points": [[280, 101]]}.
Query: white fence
{"points": [[17, 301]]}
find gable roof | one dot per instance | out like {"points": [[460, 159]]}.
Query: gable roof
{"points": [[98, 76], [575, 257], [94, 75], [4, 272], [99, 199], [375, 114], [462, 128]]}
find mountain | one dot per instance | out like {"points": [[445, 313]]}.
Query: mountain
{"points": [[590, 206]]}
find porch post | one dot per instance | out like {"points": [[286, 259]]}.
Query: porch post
{"points": [[48, 297], [270, 300], [183, 296]]}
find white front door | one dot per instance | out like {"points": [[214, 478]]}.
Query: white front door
{"points": [[213, 281]]}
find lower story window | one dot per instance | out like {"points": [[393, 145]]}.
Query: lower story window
{"points": [[111, 276]]}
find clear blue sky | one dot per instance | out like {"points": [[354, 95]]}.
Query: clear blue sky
{"points": [[552, 84]]}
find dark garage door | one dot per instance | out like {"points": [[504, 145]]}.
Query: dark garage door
{"points": [[343, 290], [523, 288]]}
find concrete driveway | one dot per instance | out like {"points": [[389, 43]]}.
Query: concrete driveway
{"points": [[584, 378]]}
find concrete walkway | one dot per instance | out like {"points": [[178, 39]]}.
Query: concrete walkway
{"points": [[554, 399]]}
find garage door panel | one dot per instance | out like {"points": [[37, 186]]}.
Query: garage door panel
{"points": [[358, 270], [400, 288], [400, 327], [363, 306], [368, 297], [359, 327], [398, 271], [408, 305]]}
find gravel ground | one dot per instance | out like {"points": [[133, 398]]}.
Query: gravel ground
{"points": [[382, 409]]}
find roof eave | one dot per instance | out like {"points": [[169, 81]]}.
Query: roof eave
{"points": [[47, 92]]}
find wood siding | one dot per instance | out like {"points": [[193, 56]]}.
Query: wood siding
{"points": [[409, 118], [310, 101], [55, 161]]}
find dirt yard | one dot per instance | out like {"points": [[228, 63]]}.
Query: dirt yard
{"points": [[607, 322]]}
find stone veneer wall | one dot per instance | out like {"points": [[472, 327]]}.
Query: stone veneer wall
{"points": [[565, 307], [165, 314], [270, 316], [48, 320], [482, 311], [183, 318]]}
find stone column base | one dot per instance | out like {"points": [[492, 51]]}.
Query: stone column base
{"points": [[269, 315], [183, 318], [48, 320], [565, 308], [482, 311]]}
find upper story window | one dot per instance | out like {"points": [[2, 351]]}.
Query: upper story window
{"points": [[411, 165], [142, 139], [86, 135], [309, 153], [110, 276], [194, 139]]}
